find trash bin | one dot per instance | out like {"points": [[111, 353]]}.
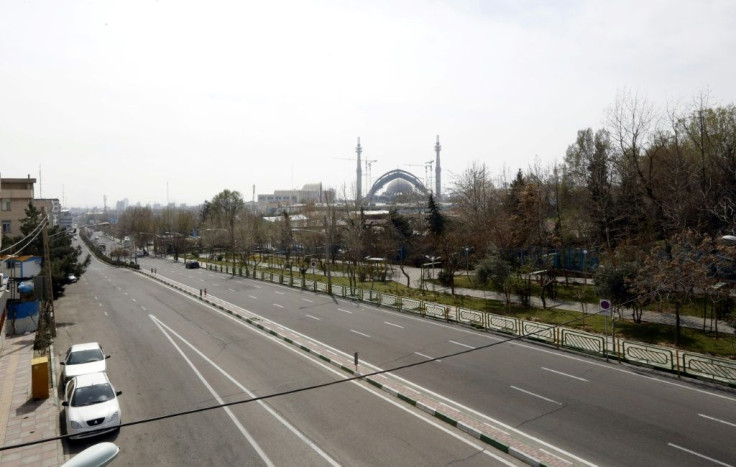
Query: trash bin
{"points": [[40, 377]]}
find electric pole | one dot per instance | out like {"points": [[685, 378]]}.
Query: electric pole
{"points": [[46, 322]]}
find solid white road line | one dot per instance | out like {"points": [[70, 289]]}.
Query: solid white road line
{"points": [[217, 397], [359, 333], [394, 325], [410, 383], [428, 357], [278, 417], [558, 457], [463, 345], [565, 374], [536, 395], [717, 420], [699, 455]]}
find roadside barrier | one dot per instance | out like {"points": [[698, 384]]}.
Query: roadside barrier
{"points": [[691, 364]]}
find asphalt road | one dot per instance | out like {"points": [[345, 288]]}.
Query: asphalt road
{"points": [[601, 412], [171, 354]]}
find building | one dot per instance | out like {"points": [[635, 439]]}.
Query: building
{"points": [[65, 219], [52, 207], [15, 194], [20, 274], [310, 193]]}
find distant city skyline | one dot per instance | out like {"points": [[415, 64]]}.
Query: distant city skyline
{"points": [[161, 101]]}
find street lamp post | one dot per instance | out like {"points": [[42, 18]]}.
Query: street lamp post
{"points": [[467, 264]]}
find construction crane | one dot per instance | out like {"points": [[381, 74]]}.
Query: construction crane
{"points": [[368, 166], [427, 173]]}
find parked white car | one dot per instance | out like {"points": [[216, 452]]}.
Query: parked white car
{"points": [[91, 405], [81, 359]]}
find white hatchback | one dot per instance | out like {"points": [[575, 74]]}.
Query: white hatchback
{"points": [[91, 405], [81, 359]]}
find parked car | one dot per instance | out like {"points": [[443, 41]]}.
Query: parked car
{"points": [[192, 265], [82, 359], [91, 405], [71, 278]]}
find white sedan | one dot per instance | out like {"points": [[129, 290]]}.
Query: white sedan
{"points": [[91, 405], [81, 359]]}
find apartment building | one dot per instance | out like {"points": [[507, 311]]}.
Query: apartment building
{"points": [[15, 194]]}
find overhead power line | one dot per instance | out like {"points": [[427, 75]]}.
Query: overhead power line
{"points": [[298, 390]]}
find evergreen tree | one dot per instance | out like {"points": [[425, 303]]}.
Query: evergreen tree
{"points": [[436, 222], [64, 256]]}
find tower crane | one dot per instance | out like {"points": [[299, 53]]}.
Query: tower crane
{"points": [[368, 165], [427, 173]]}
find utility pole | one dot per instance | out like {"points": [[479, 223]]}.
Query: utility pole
{"points": [[328, 239], [46, 321]]}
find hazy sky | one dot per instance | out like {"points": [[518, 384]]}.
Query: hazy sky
{"points": [[122, 98]]}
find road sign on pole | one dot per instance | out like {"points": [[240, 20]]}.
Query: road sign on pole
{"points": [[605, 308]]}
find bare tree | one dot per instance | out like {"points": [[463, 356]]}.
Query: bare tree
{"points": [[672, 271], [225, 209]]}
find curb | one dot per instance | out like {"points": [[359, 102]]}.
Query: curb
{"points": [[444, 417]]}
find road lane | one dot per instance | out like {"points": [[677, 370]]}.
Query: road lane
{"points": [[349, 422], [634, 411]]}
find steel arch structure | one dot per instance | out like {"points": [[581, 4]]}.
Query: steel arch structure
{"points": [[392, 175]]}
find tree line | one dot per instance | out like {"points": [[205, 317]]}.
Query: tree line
{"points": [[652, 193]]}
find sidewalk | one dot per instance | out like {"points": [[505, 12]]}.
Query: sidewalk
{"points": [[415, 281], [647, 316], [23, 419]]}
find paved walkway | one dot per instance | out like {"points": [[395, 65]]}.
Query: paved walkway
{"points": [[23, 419], [695, 322], [415, 281]]}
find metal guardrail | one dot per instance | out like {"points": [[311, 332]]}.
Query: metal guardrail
{"points": [[582, 340], [688, 363], [648, 354]]}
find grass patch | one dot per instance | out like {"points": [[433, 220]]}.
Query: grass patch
{"points": [[690, 339]]}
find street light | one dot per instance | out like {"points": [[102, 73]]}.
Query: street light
{"points": [[467, 263], [432, 261]]}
